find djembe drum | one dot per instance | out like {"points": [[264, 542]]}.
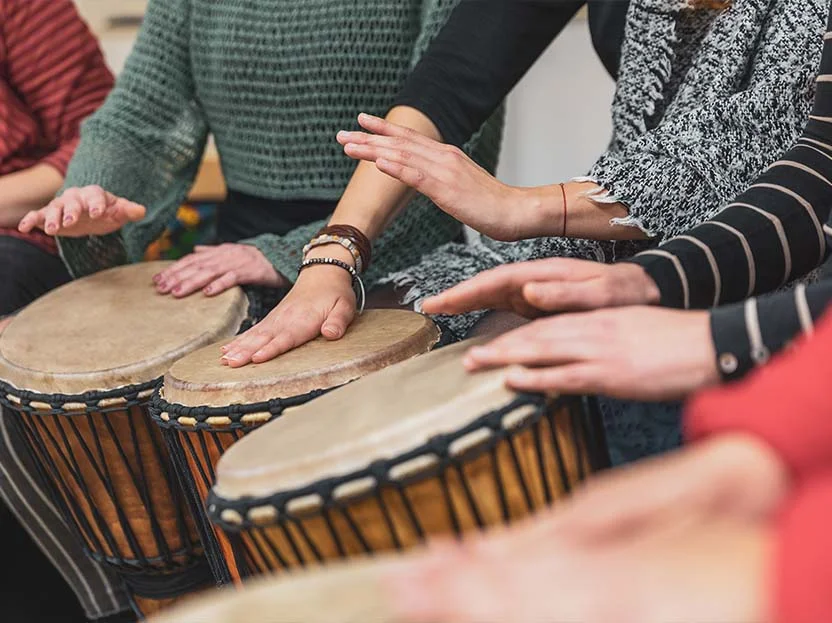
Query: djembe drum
{"points": [[78, 368], [340, 593], [205, 407], [421, 448]]}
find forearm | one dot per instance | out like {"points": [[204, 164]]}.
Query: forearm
{"points": [[579, 216], [29, 189], [373, 199]]}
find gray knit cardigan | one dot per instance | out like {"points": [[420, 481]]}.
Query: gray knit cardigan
{"points": [[705, 101]]}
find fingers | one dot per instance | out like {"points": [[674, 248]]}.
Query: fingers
{"points": [[190, 282], [490, 288], [34, 219], [221, 284], [382, 127], [543, 342], [239, 352], [128, 212], [170, 277], [338, 320], [94, 198], [575, 378], [568, 295], [52, 216]]}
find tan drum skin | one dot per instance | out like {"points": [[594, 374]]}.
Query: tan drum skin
{"points": [[382, 416], [98, 334], [375, 340], [341, 593]]}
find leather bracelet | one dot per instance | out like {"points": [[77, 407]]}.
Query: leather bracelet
{"points": [[349, 245], [357, 283], [365, 248], [563, 192]]}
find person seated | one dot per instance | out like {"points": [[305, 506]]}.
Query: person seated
{"points": [[731, 528], [52, 76]]}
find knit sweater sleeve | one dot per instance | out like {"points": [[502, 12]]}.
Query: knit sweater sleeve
{"points": [[395, 249], [144, 143], [704, 156]]}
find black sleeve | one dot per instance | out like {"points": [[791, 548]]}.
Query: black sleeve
{"points": [[771, 234], [747, 334], [478, 57]]}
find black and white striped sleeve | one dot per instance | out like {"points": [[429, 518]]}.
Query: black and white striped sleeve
{"points": [[774, 233]]}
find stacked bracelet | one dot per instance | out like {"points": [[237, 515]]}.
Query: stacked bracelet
{"points": [[355, 236], [349, 245], [357, 283]]}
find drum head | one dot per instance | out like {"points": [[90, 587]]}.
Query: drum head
{"points": [[375, 340], [338, 594], [380, 416], [111, 330]]}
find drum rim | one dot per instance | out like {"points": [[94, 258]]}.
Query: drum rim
{"points": [[160, 408], [94, 401], [379, 470]]}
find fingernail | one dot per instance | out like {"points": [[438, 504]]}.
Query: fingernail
{"points": [[224, 349], [342, 134], [208, 290], [157, 278], [177, 290], [68, 220], [232, 357]]}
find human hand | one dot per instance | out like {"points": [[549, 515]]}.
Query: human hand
{"points": [[88, 211], [708, 572], [5, 322], [734, 475], [452, 180], [216, 269], [632, 353], [535, 288], [322, 302]]}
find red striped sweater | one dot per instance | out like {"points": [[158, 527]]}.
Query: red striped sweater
{"points": [[52, 76]]}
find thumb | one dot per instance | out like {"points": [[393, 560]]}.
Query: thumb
{"points": [[339, 319], [127, 211]]}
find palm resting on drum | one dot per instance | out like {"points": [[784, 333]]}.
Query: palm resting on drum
{"points": [[732, 528]]}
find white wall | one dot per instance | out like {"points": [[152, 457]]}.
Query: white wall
{"points": [[558, 116]]}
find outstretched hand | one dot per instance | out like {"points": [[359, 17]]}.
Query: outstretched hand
{"points": [[540, 287], [78, 212]]}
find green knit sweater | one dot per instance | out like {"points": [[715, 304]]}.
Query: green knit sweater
{"points": [[273, 81]]}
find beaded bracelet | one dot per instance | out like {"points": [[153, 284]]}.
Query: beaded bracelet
{"points": [[357, 283], [356, 236], [349, 245]]}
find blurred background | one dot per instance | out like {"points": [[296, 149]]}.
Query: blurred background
{"points": [[552, 133]]}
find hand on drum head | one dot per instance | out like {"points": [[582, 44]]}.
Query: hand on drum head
{"points": [[88, 211], [709, 572], [217, 269], [322, 302], [536, 288], [632, 353]]}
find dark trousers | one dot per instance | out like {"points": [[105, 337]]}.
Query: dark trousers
{"points": [[26, 272], [32, 591]]}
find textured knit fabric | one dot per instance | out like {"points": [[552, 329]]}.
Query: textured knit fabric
{"points": [[273, 82], [767, 237], [705, 101], [52, 76]]}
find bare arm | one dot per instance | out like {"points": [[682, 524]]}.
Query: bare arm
{"points": [[29, 189], [372, 199]]}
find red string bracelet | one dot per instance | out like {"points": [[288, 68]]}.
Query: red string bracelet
{"points": [[563, 192]]}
